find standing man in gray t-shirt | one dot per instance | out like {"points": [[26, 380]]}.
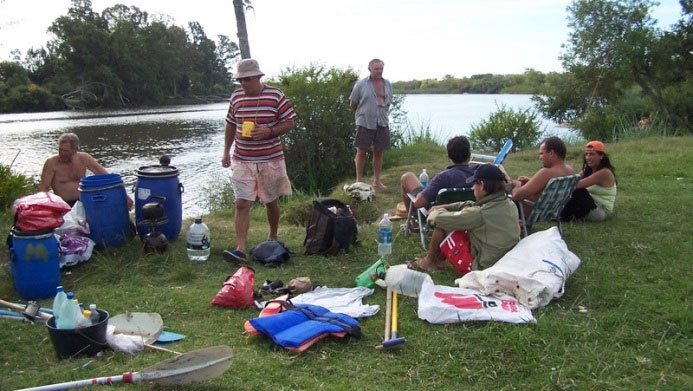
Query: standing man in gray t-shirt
{"points": [[371, 99]]}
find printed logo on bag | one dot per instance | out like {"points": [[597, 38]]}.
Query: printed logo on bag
{"points": [[474, 302]]}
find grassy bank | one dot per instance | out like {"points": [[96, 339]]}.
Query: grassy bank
{"points": [[634, 279]]}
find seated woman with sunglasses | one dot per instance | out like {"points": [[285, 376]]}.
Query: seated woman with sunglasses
{"points": [[594, 197]]}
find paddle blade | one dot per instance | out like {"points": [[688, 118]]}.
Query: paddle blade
{"points": [[195, 366], [148, 325], [169, 336]]}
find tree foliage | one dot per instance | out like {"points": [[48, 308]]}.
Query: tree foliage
{"points": [[319, 150], [530, 82], [521, 126], [13, 186], [615, 45], [124, 56]]}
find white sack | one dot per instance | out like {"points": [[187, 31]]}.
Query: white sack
{"points": [[534, 271], [444, 304]]}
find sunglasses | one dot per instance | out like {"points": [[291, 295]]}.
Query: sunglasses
{"points": [[245, 79]]}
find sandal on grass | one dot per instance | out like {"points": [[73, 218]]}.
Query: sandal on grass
{"points": [[416, 265]]}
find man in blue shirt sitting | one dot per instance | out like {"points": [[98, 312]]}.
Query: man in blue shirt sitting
{"points": [[455, 175]]}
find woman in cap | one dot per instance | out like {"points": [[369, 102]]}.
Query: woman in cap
{"points": [[594, 197]]}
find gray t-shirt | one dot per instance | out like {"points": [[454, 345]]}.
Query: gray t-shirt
{"points": [[369, 113]]}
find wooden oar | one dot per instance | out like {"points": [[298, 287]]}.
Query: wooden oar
{"points": [[22, 308], [195, 366]]}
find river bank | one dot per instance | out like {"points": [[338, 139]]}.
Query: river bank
{"points": [[633, 283]]}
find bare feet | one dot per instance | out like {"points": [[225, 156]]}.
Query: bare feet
{"points": [[379, 185], [425, 264]]}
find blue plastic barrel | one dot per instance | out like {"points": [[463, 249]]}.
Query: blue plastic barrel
{"points": [[105, 204], [160, 183], [34, 263]]}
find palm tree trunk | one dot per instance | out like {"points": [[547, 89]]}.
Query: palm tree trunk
{"points": [[238, 8]]}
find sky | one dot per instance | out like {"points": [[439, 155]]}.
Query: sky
{"points": [[417, 39]]}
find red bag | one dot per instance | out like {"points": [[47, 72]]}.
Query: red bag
{"points": [[237, 290], [40, 211], [457, 251]]}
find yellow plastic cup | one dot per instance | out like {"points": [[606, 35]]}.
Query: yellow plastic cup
{"points": [[248, 127]]}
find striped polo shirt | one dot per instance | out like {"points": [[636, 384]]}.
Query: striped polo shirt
{"points": [[269, 108]]}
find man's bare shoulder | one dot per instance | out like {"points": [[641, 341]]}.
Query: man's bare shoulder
{"points": [[52, 161], [544, 174], [84, 155], [563, 170]]}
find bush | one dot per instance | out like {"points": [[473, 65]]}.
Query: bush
{"points": [[505, 123], [13, 186], [319, 150]]}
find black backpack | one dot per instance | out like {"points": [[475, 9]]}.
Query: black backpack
{"points": [[328, 232]]}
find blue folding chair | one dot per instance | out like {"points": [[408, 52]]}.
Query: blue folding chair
{"points": [[498, 159]]}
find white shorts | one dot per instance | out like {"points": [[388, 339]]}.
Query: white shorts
{"points": [[265, 181]]}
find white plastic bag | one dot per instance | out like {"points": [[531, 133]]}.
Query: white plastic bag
{"points": [[440, 304], [534, 271], [130, 344], [74, 249], [360, 191], [75, 221]]}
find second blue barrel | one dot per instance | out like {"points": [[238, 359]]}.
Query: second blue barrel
{"points": [[105, 204], [159, 183]]}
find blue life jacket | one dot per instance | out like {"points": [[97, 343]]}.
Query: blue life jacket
{"points": [[302, 322]]}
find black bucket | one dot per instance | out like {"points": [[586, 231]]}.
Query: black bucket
{"points": [[85, 341]]}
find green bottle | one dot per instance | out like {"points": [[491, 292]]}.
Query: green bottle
{"points": [[374, 272]]}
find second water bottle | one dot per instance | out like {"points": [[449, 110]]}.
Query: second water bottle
{"points": [[385, 236]]}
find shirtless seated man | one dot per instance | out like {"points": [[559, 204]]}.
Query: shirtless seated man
{"points": [[63, 171], [552, 155]]}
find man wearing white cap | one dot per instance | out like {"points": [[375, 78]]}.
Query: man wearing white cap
{"points": [[258, 114]]}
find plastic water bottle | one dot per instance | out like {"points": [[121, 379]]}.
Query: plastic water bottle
{"points": [[60, 297], [94, 316], [198, 241], [423, 178], [385, 236], [69, 312]]}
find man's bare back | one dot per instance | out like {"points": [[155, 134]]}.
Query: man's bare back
{"points": [[63, 172]]}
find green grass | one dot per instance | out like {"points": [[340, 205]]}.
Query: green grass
{"points": [[634, 279]]}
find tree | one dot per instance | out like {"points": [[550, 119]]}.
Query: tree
{"points": [[614, 44], [239, 8], [318, 150]]}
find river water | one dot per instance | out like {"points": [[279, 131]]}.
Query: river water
{"points": [[124, 140]]}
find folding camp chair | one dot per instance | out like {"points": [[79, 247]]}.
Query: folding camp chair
{"points": [[445, 196], [498, 159], [550, 204]]}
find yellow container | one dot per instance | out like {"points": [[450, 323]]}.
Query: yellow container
{"points": [[248, 128]]}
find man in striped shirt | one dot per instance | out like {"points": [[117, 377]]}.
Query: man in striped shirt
{"points": [[258, 114]]}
